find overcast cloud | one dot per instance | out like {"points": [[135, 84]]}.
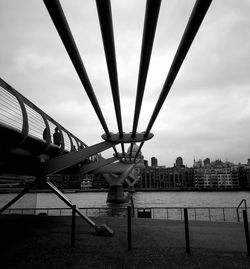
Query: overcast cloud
{"points": [[207, 112]]}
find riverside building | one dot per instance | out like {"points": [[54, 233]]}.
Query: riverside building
{"points": [[160, 177], [215, 175]]}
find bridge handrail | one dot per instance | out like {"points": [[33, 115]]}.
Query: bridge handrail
{"points": [[225, 214], [26, 107], [237, 209]]}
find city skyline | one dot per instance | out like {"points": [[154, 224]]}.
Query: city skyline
{"points": [[195, 160], [207, 111]]}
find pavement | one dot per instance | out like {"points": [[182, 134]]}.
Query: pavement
{"points": [[45, 242]]}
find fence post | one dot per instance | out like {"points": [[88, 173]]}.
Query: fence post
{"points": [[246, 231], [73, 226], [129, 229], [186, 230]]}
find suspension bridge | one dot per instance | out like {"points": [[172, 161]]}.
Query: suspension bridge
{"points": [[28, 145]]}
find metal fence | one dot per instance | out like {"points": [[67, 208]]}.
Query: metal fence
{"points": [[222, 214]]}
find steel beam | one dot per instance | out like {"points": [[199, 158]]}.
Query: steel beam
{"points": [[57, 15], [113, 168], [138, 151], [150, 23], [64, 161], [106, 25], [66, 200], [95, 165], [19, 195], [198, 13], [114, 179]]}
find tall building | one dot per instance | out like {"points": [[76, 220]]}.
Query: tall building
{"points": [[179, 161], [154, 161], [206, 162]]}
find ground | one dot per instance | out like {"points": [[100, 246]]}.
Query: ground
{"points": [[45, 242]]}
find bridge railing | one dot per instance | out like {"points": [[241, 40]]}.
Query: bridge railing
{"points": [[212, 214], [21, 116]]}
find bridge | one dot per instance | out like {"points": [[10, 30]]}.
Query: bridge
{"points": [[29, 137]]}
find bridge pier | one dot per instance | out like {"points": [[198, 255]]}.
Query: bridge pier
{"points": [[116, 191], [116, 195]]}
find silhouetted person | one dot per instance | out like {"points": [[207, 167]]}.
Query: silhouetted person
{"points": [[57, 137], [74, 148], [45, 134]]}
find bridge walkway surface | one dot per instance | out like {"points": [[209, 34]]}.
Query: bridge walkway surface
{"points": [[44, 242]]}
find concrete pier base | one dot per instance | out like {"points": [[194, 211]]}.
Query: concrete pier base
{"points": [[116, 194], [131, 189]]}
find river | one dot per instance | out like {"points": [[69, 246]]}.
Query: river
{"points": [[141, 199]]}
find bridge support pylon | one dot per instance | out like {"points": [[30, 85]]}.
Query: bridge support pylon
{"points": [[116, 191], [116, 194]]}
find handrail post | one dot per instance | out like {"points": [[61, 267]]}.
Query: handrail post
{"points": [[223, 209], [129, 229], [246, 231], [186, 230], [237, 209], [73, 225]]}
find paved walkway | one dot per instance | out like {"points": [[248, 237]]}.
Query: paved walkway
{"points": [[44, 242]]}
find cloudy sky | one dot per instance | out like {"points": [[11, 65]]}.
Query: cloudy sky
{"points": [[207, 112]]}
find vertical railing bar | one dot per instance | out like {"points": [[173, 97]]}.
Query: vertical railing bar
{"points": [[246, 231], [129, 228], [186, 230], [73, 225]]}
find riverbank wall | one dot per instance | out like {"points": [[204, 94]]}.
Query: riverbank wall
{"points": [[17, 190]]}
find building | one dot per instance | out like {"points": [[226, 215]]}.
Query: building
{"points": [[206, 162], [161, 177], [244, 174], [154, 161], [87, 182], [179, 162], [216, 175]]}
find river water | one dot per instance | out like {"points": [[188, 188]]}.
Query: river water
{"points": [[141, 199]]}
